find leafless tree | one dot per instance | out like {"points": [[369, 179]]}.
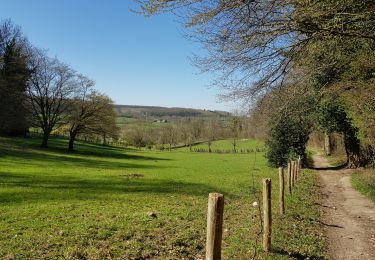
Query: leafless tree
{"points": [[254, 44], [211, 132], [88, 110], [49, 89]]}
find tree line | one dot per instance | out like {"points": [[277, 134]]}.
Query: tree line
{"points": [[187, 132], [301, 65], [37, 91]]}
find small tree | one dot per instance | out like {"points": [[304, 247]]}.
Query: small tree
{"points": [[290, 124], [287, 139], [88, 109], [236, 128], [210, 132], [172, 135]]}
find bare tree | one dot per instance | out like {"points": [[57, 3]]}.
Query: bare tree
{"points": [[255, 43], [236, 128], [169, 135], [88, 108], [49, 89], [211, 132], [136, 135]]}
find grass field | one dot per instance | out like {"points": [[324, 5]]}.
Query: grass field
{"points": [[95, 202]]}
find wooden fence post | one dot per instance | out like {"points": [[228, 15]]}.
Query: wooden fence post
{"points": [[292, 172], [281, 192], [289, 177], [296, 170], [214, 226], [267, 216]]}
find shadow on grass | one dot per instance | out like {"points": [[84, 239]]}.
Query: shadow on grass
{"points": [[30, 154], [60, 145], [40, 159], [296, 255], [41, 188]]}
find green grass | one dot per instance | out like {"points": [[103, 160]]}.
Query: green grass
{"points": [[364, 181], [56, 204]]}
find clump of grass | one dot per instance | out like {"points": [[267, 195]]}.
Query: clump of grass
{"points": [[364, 181]]}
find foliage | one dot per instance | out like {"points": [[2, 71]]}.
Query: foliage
{"points": [[14, 73], [287, 139]]}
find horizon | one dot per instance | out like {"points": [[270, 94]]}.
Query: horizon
{"points": [[156, 106], [146, 60]]}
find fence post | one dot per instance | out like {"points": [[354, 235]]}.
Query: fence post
{"points": [[289, 177], [214, 226], [295, 171], [267, 217], [281, 192], [292, 172]]}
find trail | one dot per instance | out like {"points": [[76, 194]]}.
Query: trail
{"points": [[348, 218]]}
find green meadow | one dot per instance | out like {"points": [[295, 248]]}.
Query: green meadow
{"points": [[96, 203]]}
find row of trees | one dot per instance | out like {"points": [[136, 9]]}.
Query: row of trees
{"points": [[42, 92], [308, 65], [185, 132]]}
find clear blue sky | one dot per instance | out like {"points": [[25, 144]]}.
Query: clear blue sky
{"points": [[133, 59]]}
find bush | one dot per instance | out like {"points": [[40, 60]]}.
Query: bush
{"points": [[287, 140]]}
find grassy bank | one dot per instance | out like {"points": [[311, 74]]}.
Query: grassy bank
{"points": [[364, 181], [95, 203]]}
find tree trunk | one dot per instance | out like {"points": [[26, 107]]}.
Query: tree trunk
{"points": [[209, 147], [327, 144], [72, 138], [45, 139], [234, 145]]}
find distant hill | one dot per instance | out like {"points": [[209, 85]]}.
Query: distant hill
{"points": [[165, 112]]}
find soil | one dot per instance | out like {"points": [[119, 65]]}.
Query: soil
{"points": [[348, 216]]}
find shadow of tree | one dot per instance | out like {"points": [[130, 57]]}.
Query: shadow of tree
{"points": [[42, 159], [330, 168], [58, 145], [21, 188], [296, 255]]}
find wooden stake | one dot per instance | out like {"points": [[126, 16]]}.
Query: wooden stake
{"points": [[267, 217], [281, 192], [296, 170], [289, 177], [292, 172], [214, 226], [298, 166]]}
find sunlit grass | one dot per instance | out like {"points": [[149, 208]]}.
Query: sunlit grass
{"points": [[95, 203]]}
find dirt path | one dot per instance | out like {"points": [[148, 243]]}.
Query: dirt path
{"points": [[349, 217]]}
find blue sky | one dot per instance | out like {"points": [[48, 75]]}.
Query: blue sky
{"points": [[133, 59]]}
